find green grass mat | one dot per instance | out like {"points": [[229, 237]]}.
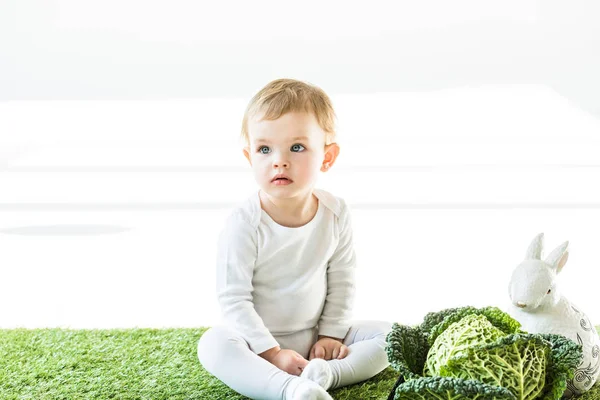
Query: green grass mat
{"points": [[151, 364]]}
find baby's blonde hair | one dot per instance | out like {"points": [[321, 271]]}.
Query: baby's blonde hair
{"points": [[281, 96]]}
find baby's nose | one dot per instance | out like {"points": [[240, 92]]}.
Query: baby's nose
{"points": [[521, 305], [280, 164]]}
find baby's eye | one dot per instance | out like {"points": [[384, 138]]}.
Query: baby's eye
{"points": [[297, 147], [549, 290], [264, 150]]}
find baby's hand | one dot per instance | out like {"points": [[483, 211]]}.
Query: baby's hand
{"points": [[328, 349], [287, 360]]}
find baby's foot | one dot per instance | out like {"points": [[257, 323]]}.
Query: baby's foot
{"points": [[319, 371], [308, 390]]}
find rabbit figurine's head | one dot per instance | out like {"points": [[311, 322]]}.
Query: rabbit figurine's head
{"points": [[532, 284]]}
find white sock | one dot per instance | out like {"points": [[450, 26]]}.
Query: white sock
{"points": [[319, 371], [305, 389]]}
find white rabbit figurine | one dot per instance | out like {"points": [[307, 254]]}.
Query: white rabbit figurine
{"points": [[540, 308]]}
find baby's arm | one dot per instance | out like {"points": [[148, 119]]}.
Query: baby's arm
{"points": [[236, 257], [335, 318]]}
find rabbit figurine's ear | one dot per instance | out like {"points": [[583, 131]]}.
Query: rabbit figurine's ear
{"points": [[558, 258], [534, 252]]}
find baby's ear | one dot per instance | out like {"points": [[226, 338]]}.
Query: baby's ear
{"points": [[332, 151], [558, 258], [246, 151]]}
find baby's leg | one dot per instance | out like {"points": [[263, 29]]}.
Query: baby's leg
{"points": [[366, 358], [226, 355]]}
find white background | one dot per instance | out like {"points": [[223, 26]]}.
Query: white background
{"points": [[466, 128]]}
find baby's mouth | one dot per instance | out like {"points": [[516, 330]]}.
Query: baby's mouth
{"points": [[281, 180]]}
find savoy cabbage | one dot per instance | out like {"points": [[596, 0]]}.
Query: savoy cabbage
{"points": [[470, 353]]}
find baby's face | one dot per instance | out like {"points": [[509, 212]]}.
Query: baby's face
{"points": [[292, 145]]}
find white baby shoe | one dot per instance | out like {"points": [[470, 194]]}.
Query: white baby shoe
{"points": [[319, 371]]}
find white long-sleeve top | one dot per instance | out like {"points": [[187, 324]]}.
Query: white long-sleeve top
{"points": [[276, 280]]}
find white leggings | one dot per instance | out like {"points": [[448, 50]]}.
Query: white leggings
{"points": [[224, 353]]}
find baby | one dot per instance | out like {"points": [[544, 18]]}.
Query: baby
{"points": [[285, 262]]}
